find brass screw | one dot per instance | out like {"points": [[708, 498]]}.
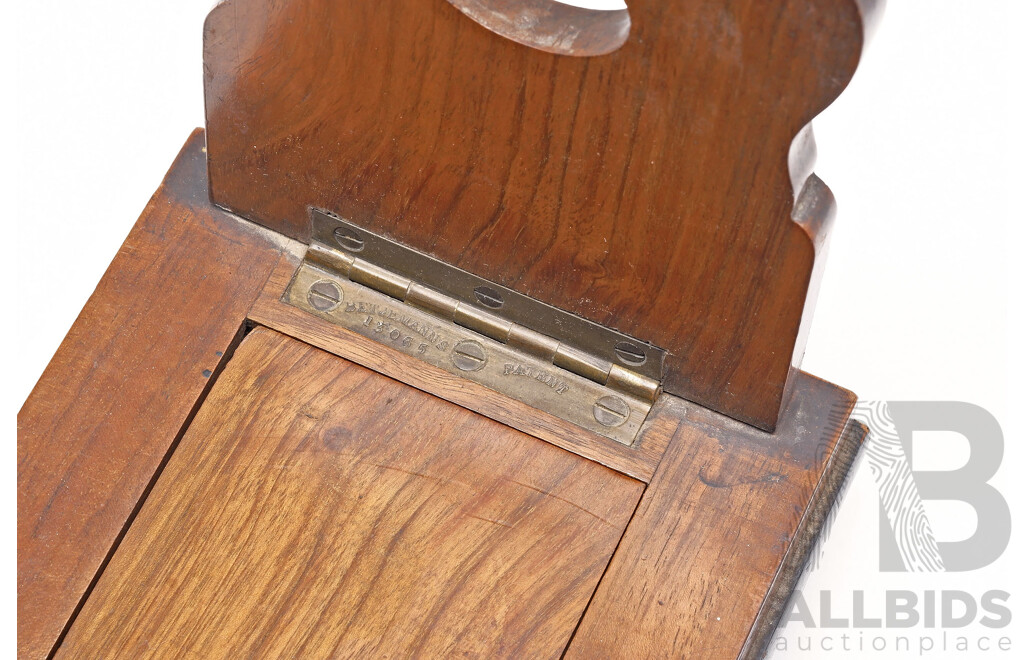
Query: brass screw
{"points": [[348, 239], [611, 411], [469, 356], [489, 297], [630, 353], [324, 295]]}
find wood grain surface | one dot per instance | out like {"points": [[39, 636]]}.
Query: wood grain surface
{"points": [[638, 460], [721, 533], [123, 385], [318, 509], [652, 189]]}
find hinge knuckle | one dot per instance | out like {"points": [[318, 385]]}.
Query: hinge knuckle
{"points": [[329, 259], [486, 324], [582, 363], [533, 343], [633, 383], [379, 279], [432, 301]]}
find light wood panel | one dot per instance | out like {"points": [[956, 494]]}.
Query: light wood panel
{"points": [[123, 385], [317, 509]]}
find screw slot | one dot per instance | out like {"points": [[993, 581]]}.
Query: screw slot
{"points": [[611, 411], [469, 356], [324, 296], [489, 297], [349, 239], [629, 353]]}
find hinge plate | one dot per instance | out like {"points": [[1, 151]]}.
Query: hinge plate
{"points": [[349, 278]]}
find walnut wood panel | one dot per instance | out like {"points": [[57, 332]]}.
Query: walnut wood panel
{"points": [[722, 531], [317, 509], [637, 461], [647, 189], [121, 387]]}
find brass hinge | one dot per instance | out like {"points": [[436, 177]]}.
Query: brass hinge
{"points": [[545, 357]]}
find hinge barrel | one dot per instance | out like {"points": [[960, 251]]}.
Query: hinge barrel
{"points": [[339, 248]]}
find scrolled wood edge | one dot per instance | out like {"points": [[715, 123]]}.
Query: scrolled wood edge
{"points": [[815, 219], [814, 205]]}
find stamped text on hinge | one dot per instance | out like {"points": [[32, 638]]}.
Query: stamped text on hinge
{"points": [[554, 361]]}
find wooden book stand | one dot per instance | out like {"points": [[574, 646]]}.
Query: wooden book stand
{"points": [[467, 327]]}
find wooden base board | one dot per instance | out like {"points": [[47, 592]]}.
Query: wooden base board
{"points": [[712, 551]]}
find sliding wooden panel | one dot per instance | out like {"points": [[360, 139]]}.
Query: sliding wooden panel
{"points": [[315, 509], [124, 382]]}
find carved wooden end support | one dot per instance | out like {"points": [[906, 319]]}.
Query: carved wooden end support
{"points": [[645, 180]]}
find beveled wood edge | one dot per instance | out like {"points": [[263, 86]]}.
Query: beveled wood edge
{"points": [[808, 533], [638, 461]]}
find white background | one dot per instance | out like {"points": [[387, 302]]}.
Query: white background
{"points": [[921, 298]]}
